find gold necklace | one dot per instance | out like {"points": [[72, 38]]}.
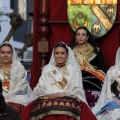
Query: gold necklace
{"points": [[7, 73]]}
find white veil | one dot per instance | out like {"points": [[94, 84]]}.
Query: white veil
{"points": [[75, 86], [14, 63], [111, 76], [20, 88], [71, 60], [117, 60]]}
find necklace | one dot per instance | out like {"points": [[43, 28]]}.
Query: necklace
{"points": [[60, 65], [63, 71], [7, 73]]}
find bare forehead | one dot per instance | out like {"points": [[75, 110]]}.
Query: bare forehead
{"points": [[5, 48]]}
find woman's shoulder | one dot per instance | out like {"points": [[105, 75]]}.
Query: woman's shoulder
{"points": [[72, 67], [47, 67], [17, 65], [114, 68], [113, 71]]}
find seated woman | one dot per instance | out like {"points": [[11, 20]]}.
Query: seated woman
{"points": [[91, 63], [108, 105], [16, 89], [59, 94]]}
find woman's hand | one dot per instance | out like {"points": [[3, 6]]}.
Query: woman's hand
{"points": [[60, 94], [55, 95]]}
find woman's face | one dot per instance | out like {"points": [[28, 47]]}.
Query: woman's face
{"points": [[5, 55], [81, 36], [60, 55]]}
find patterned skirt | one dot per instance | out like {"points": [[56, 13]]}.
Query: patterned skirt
{"points": [[69, 106], [62, 108]]}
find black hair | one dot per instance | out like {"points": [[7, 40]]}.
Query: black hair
{"points": [[91, 39], [5, 44], [61, 44], [93, 43]]}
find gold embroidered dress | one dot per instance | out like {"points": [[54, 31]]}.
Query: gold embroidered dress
{"points": [[92, 76], [5, 77], [84, 58]]}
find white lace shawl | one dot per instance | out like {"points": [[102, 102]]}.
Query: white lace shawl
{"points": [[117, 60], [74, 85], [20, 90], [106, 94]]}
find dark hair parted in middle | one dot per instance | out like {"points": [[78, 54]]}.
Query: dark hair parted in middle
{"points": [[6, 44], [91, 39], [61, 44]]}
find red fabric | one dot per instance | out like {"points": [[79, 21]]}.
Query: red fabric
{"points": [[26, 112], [86, 114], [109, 43], [17, 107], [36, 60]]}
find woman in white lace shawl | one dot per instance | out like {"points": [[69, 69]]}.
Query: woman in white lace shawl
{"points": [[16, 89], [59, 93], [72, 87], [108, 105]]}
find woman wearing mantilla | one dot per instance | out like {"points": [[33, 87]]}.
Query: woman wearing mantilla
{"points": [[59, 93], [16, 89], [108, 105]]}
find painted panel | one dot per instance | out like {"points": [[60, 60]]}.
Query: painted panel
{"points": [[97, 15]]}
